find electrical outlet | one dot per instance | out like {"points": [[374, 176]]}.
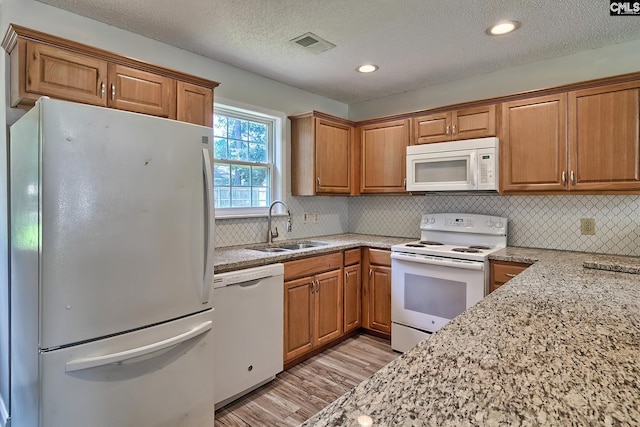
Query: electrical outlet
{"points": [[305, 218], [316, 217], [588, 226]]}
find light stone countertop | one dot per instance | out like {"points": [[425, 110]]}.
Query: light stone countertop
{"points": [[239, 257], [559, 345]]}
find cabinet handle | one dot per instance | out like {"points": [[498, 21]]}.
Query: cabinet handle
{"points": [[453, 129], [313, 285], [318, 179], [405, 182], [370, 273], [113, 92], [447, 130], [573, 178], [564, 177], [317, 286], [510, 275], [102, 89]]}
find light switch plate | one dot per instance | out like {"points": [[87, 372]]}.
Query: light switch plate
{"points": [[588, 226]]}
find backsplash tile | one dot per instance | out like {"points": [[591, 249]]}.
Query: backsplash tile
{"points": [[550, 222], [333, 219]]}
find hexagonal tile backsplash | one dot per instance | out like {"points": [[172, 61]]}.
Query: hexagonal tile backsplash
{"points": [[551, 222]]}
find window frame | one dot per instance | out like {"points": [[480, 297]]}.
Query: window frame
{"points": [[276, 152]]}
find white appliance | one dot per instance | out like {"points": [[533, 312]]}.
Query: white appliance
{"points": [[111, 269], [249, 330], [467, 165], [438, 277]]}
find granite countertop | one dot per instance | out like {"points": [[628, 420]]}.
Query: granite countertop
{"points": [[559, 345], [239, 257]]}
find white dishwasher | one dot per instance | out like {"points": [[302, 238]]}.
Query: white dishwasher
{"points": [[248, 334]]}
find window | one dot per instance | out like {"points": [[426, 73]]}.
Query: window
{"points": [[246, 173]]}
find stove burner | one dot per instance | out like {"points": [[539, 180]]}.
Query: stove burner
{"points": [[479, 247], [414, 245], [430, 243], [466, 250]]}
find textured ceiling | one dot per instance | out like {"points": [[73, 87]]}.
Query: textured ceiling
{"points": [[416, 43]]}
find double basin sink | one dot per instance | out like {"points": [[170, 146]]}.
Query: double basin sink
{"points": [[287, 246]]}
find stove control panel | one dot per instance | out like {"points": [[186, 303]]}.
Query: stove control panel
{"points": [[468, 223]]}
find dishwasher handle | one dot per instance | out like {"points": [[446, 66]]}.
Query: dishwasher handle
{"points": [[247, 276]]}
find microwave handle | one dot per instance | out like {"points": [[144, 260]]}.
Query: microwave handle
{"points": [[473, 168]]}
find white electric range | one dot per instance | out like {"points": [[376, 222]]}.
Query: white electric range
{"points": [[439, 276]]}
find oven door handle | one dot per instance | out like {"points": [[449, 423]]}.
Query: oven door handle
{"points": [[445, 262]]}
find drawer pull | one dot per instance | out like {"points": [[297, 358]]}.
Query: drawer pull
{"points": [[510, 275]]}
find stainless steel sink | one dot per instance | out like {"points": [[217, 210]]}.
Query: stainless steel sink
{"points": [[287, 247], [301, 245]]}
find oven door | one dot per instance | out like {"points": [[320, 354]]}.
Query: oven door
{"points": [[443, 171], [427, 291]]}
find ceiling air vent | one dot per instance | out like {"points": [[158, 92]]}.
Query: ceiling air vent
{"points": [[313, 43]]}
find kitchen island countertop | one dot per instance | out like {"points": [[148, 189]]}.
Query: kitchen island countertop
{"points": [[558, 345]]}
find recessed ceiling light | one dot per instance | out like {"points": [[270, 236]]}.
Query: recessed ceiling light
{"points": [[503, 28], [367, 68]]}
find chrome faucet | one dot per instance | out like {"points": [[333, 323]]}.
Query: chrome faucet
{"points": [[273, 234]]}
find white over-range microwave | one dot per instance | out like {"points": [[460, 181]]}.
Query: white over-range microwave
{"points": [[467, 165]]}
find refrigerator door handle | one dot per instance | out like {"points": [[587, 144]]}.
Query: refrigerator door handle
{"points": [[208, 264], [107, 359]]}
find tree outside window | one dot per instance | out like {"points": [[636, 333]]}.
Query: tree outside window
{"points": [[243, 165]]}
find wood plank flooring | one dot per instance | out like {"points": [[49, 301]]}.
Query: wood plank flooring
{"points": [[297, 394]]}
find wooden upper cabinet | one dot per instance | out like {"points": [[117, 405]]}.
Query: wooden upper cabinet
{"points": [[45, 65], [383, 157], [476, 122], [533, 144], [321, 155], [194, 104], [58, 73], [604, 126], [333, 152], [139, 91]]}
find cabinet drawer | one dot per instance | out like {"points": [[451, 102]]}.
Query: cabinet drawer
{"points": [[380, 257], [351, 256], [311, 266]]}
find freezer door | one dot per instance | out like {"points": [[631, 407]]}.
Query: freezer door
{"points": [[160, 376], [127, 225]]}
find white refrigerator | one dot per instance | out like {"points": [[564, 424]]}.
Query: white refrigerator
{"points": [[111, 246]]}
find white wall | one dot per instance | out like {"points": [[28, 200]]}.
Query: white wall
{"points": [[587, 65]]}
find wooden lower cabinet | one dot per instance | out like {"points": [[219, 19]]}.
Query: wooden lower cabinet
{"points": [[376, 300], [313, 304], [352, 285], [503, 271]]}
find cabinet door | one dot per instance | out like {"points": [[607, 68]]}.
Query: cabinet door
{"points": [[328, 306], [384, 157], [380, 298], [194, 104], [431, 128], [533, 145], [332, 141], [502, 272], [62, 74], [352, 297], [604, 126], [476, 122], [298, 315], [139, 91]]}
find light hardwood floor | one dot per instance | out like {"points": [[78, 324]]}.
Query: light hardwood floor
{"points": [[298, 393]]}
